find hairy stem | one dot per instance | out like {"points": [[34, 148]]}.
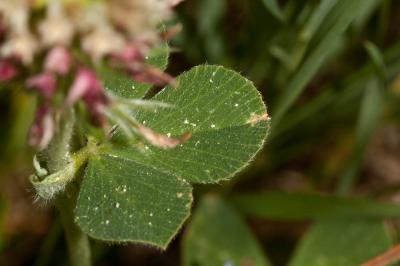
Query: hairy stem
{"points": [[77, 241], [58, 157]]}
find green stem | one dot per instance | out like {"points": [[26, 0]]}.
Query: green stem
{"points": [[58, 158], [77, 242]]}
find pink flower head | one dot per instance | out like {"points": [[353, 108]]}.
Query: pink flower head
{"points": [[43, 128], [58, 60], [44, 83], [7, 70], [86, 86]]}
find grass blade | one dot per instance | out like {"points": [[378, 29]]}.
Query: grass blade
{"points": [[273, 7], [316, 58], [304, 206]]}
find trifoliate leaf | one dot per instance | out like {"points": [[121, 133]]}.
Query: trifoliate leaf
{"points": [[142, 193]]}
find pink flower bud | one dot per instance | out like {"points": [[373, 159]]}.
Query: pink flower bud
{"points": [[58, 60], [44, 83], [132, 52], [84, 85], [42, 130], [7, 70]]}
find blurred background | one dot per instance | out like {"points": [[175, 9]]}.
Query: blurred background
{"points": [[329, 74]]}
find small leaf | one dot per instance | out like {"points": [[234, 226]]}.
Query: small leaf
{"points": [[124, 201], [301, 206], [217, 235], [342, 242], [124, 86]]}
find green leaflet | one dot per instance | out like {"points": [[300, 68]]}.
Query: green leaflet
{"points": [[225, 115], [228, 121], [218, 236], [342, 242], [122, 200], [124, 86]]}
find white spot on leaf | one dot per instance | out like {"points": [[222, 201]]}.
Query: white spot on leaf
{"points": [[255, 119]]}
